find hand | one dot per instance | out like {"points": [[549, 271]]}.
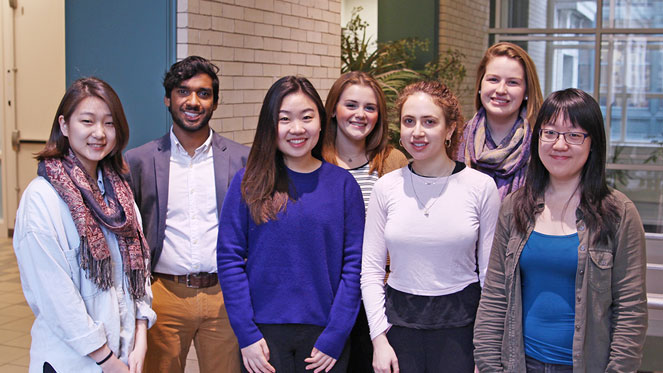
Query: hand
{"points": [[137, 355], [384, 357], [256, 358], [319, 361], [112, 365]]}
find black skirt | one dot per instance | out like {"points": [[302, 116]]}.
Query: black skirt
{"points": [[432, 312]]}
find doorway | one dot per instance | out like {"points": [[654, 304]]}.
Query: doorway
{"points": [[33, 80]]}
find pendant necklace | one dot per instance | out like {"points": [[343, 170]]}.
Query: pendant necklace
{"points": [[358, 155], [432, 200]]}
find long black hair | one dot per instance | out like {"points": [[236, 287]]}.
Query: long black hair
{"points": [[598, 209], [265, 186]]}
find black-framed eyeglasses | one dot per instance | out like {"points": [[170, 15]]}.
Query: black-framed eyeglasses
{"points": [[572, 138]]}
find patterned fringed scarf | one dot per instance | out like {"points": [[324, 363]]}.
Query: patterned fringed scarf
{"points": [[506, 163], [88, 209]]}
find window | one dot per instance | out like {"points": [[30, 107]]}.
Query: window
{"points": [[612, 49]]}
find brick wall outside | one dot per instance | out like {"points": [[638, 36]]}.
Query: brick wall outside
{"points": [[255, 42], [464, 26]]}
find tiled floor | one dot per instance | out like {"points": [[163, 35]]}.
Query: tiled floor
{"points": [[16, 318]]}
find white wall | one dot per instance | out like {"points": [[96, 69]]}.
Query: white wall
{"points": [[368, 14]]}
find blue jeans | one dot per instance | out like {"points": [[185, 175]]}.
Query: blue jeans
{"points": [[535, 366]]}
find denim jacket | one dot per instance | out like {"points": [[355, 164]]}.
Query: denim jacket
{"points": [[73, 317], [611, 299]]}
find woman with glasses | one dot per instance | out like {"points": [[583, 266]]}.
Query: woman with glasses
{"points": [[507, 99], [565, 286]]}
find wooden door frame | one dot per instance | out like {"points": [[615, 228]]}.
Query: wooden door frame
{"points": [[24, 68], [8, 115]]}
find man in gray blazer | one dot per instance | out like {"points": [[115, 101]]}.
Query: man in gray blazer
{"points": [[179, 182]]}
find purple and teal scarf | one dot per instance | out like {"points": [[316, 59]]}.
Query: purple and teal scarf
{"points": [[507, 162]]}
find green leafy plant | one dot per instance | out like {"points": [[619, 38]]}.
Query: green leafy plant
{"points": [[656, 154], [392, 63], [619, 178]]}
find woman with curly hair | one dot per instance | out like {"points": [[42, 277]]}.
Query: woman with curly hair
{"points": [[435, 218]]}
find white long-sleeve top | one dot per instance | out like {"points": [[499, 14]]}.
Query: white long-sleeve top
{"points": [[73, 317], [430, 255]]}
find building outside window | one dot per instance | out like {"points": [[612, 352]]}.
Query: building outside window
{"points": [[613, 49]]}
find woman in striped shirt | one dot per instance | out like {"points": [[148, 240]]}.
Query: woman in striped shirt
{"points": [[357, 139]]}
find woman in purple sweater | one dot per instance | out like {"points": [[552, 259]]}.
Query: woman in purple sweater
{"points": [[289, 247]]}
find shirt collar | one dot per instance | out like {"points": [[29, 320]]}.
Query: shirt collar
{"points": [[100, 181], [175, 144]]}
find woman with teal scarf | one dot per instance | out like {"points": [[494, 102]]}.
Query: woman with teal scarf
{"points": [[508, 97]]}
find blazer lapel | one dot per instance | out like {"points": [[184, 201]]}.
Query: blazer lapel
{"points": [[221, 167], [162, 172]]}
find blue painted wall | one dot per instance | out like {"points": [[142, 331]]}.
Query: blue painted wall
{"points": [[130, 44]]}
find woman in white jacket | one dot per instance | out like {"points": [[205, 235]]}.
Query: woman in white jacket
{"points": [[82, 256]]}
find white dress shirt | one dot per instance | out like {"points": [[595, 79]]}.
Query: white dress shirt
{"points": [[192, 221]]}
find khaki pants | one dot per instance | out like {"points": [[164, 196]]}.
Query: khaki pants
{"points": [[185, 314]]}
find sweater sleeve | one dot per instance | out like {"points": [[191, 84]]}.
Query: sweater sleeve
{"points": [[374, 261], [345, 305], [395, 160], [489, 209], [629, 294], [489, 324], [144, 309], [231, 252]]}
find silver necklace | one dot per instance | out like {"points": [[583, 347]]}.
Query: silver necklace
{"points": [[434, 181], [432, 200]]}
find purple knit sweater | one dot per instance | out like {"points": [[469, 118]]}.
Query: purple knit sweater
{"points": [[303, 267]]}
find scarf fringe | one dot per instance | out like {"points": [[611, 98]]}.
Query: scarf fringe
{"points": [[97, 270], [137, 283], [137, 277]]}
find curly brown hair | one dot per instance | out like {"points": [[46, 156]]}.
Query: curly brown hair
{"points": [[446, 100]]}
